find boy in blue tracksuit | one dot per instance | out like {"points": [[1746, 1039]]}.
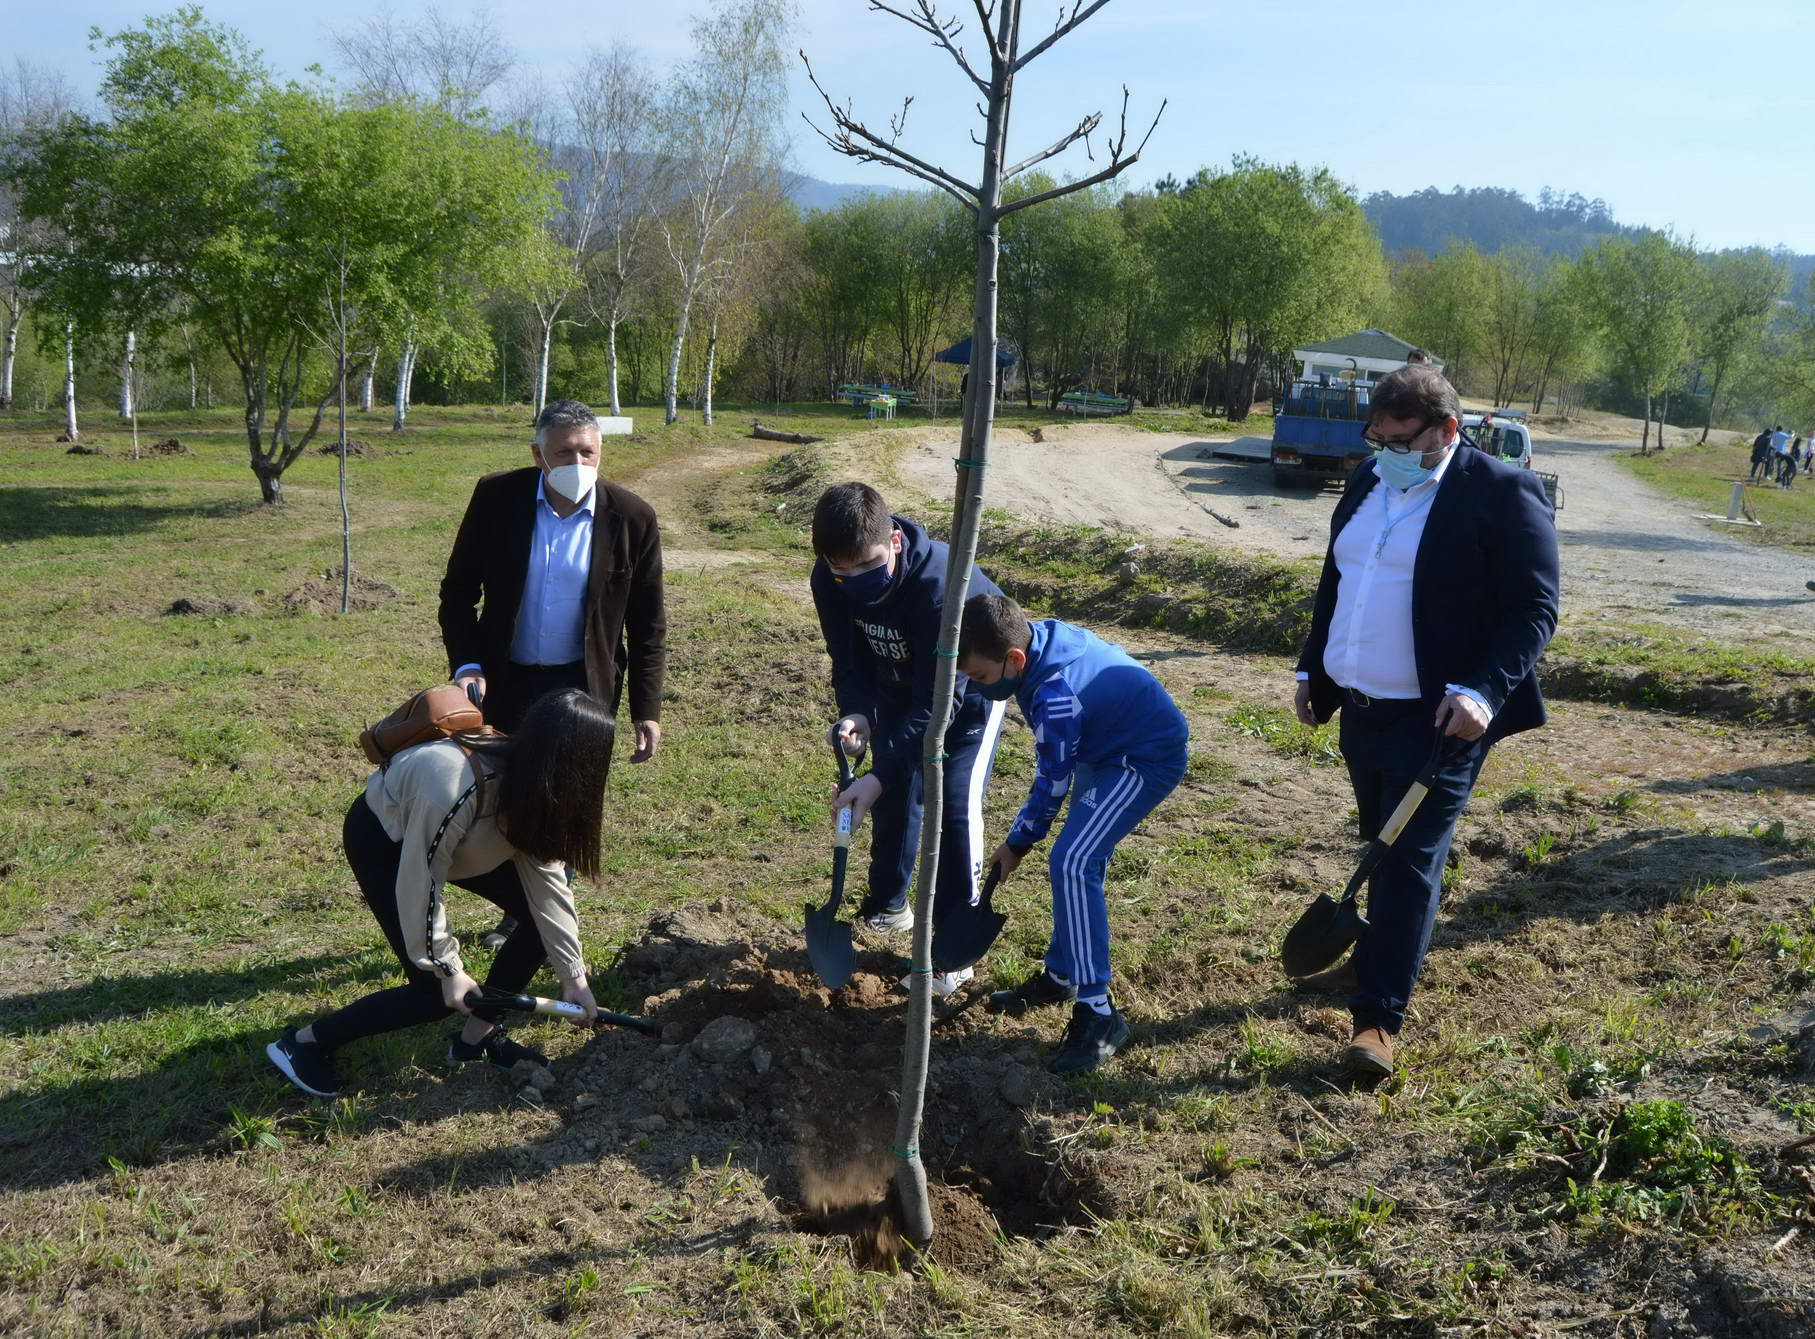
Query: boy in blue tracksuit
{"points": [[879, 585], [1104, 728]]}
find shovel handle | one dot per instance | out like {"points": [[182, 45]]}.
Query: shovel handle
{"points": [[498, 1002], [841, 839]]}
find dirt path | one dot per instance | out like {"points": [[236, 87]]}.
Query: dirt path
{"points": [[1630, 554]]}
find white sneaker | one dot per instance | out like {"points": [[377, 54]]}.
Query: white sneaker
{"points": [[890, 922], [943, 983]]}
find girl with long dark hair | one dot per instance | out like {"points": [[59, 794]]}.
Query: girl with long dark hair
{"points": [[500, 817]]}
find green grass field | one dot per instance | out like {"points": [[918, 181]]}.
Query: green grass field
{"points": [[1609, 1055], [1705, 475]]}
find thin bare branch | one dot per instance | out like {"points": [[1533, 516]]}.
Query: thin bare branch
{"points": [[986, 17], [943, 34], [1065, 25], [856, 140], [1119, 162], [1083, 130], [843, 144]]}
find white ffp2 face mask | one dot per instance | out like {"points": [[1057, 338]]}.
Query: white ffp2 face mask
{"points": [[573, 482]]}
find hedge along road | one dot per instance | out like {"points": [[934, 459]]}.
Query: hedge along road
{"points": [[1630, 554]]}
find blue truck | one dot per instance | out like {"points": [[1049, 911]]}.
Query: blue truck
{"points": [[1317, 427]]}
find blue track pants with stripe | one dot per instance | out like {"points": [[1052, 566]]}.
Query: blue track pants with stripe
{"points": [[1106, 803]]}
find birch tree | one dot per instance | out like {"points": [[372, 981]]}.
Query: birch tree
{"points": [[32, 100], [999, 41], [721, 131], [614, 110], [1743, 289], [1644, 290]]}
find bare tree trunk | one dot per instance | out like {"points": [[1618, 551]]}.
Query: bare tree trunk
{"points": [[671, 390], [548, 332], [711, 365], [967, 511], [126, 369], [192, 396], [1663, 416], [1645, 437], [406, 361], [12, 356], [346, 515], [365, 383], [611, 363], [69, 382]]}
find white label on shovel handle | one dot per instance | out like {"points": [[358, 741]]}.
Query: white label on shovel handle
{"points": [[1403, 814], [559, 1008], [843, 836]]}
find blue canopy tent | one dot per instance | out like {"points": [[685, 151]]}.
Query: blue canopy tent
{"points": [[961, 353]]}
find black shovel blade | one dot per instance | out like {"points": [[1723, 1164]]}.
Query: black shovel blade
{"points": [[1323, 934], [967, 932], [829, 945]]}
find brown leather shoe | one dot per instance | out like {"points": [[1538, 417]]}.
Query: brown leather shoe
{"points": [[1370, 1053], [1338, 980]]}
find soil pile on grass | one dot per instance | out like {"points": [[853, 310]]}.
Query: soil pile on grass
{"points": [[80, 450], [355, 447], [760, 1060], [209, 606], [321, 595], [170, 446]]}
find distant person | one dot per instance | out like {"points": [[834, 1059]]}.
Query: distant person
{"points": [[1761, 455], [1782, 462], [426, 820], [1419, 358], [879, 586], [1108, 737], [568, 569], [1438, 594], [1808, 452]]}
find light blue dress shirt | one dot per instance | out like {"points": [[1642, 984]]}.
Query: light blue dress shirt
{"points": [[550, 628]]}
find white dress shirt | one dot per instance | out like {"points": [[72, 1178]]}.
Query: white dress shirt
{"points": [[1370, 647]]}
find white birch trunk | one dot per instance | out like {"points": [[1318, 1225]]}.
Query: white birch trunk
{"points": [[671, 388], [365, 384], [12, 357], [126, 370], [611, 364], [192, 384], [711, 367], [405, 363], [69, 382], [548, 330]]}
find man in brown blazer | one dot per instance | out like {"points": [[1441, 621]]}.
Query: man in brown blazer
{"points": [[568, 570]]}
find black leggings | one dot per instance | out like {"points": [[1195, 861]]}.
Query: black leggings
{"points": [[375, 858]]}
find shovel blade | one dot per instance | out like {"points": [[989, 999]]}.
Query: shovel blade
{"points": [[829, 945], [1321, 936], [965, 937]]}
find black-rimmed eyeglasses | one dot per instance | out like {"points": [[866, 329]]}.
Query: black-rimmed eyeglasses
{"points": [[1401, 446]]}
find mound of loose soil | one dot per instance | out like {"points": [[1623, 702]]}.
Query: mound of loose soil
{"points": [[321, 595], [355, 447], [759, 1057], [209, 606], [80, 450], [170, 446]]}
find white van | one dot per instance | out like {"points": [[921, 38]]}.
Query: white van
{"points": [[1501, 433]]}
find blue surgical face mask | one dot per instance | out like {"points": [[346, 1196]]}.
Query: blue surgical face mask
{"points": [[1002, 689], [865, 587], [1401, 469]]}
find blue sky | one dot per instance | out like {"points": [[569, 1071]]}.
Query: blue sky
{"points": [[1693, 116]]}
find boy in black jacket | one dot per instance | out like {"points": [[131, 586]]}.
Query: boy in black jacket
{"points": [[878, 585]]}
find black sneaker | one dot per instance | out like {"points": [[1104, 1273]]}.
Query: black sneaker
{"points": [[1038, 990], [499, 1049], [305, 1064], [494, 938], [1090, 1039]]}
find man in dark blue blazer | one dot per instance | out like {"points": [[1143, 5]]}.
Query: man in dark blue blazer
{"points": [[1439, 592]]}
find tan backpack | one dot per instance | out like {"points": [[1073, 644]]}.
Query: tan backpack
{"points": [[442, 712]]}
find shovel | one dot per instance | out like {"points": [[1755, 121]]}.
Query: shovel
{"points": [[495, 1002], [969, 930], [828, 938], [1329, 926]]}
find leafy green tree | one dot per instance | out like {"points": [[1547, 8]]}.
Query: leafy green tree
{"points": [[1440, 302], [1644, 292], [1565, 343], [267, 198], [840, 298], [1742, 290], [1509, 315]]}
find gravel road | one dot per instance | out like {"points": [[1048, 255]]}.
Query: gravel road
{"points": [[1630, 554]]}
